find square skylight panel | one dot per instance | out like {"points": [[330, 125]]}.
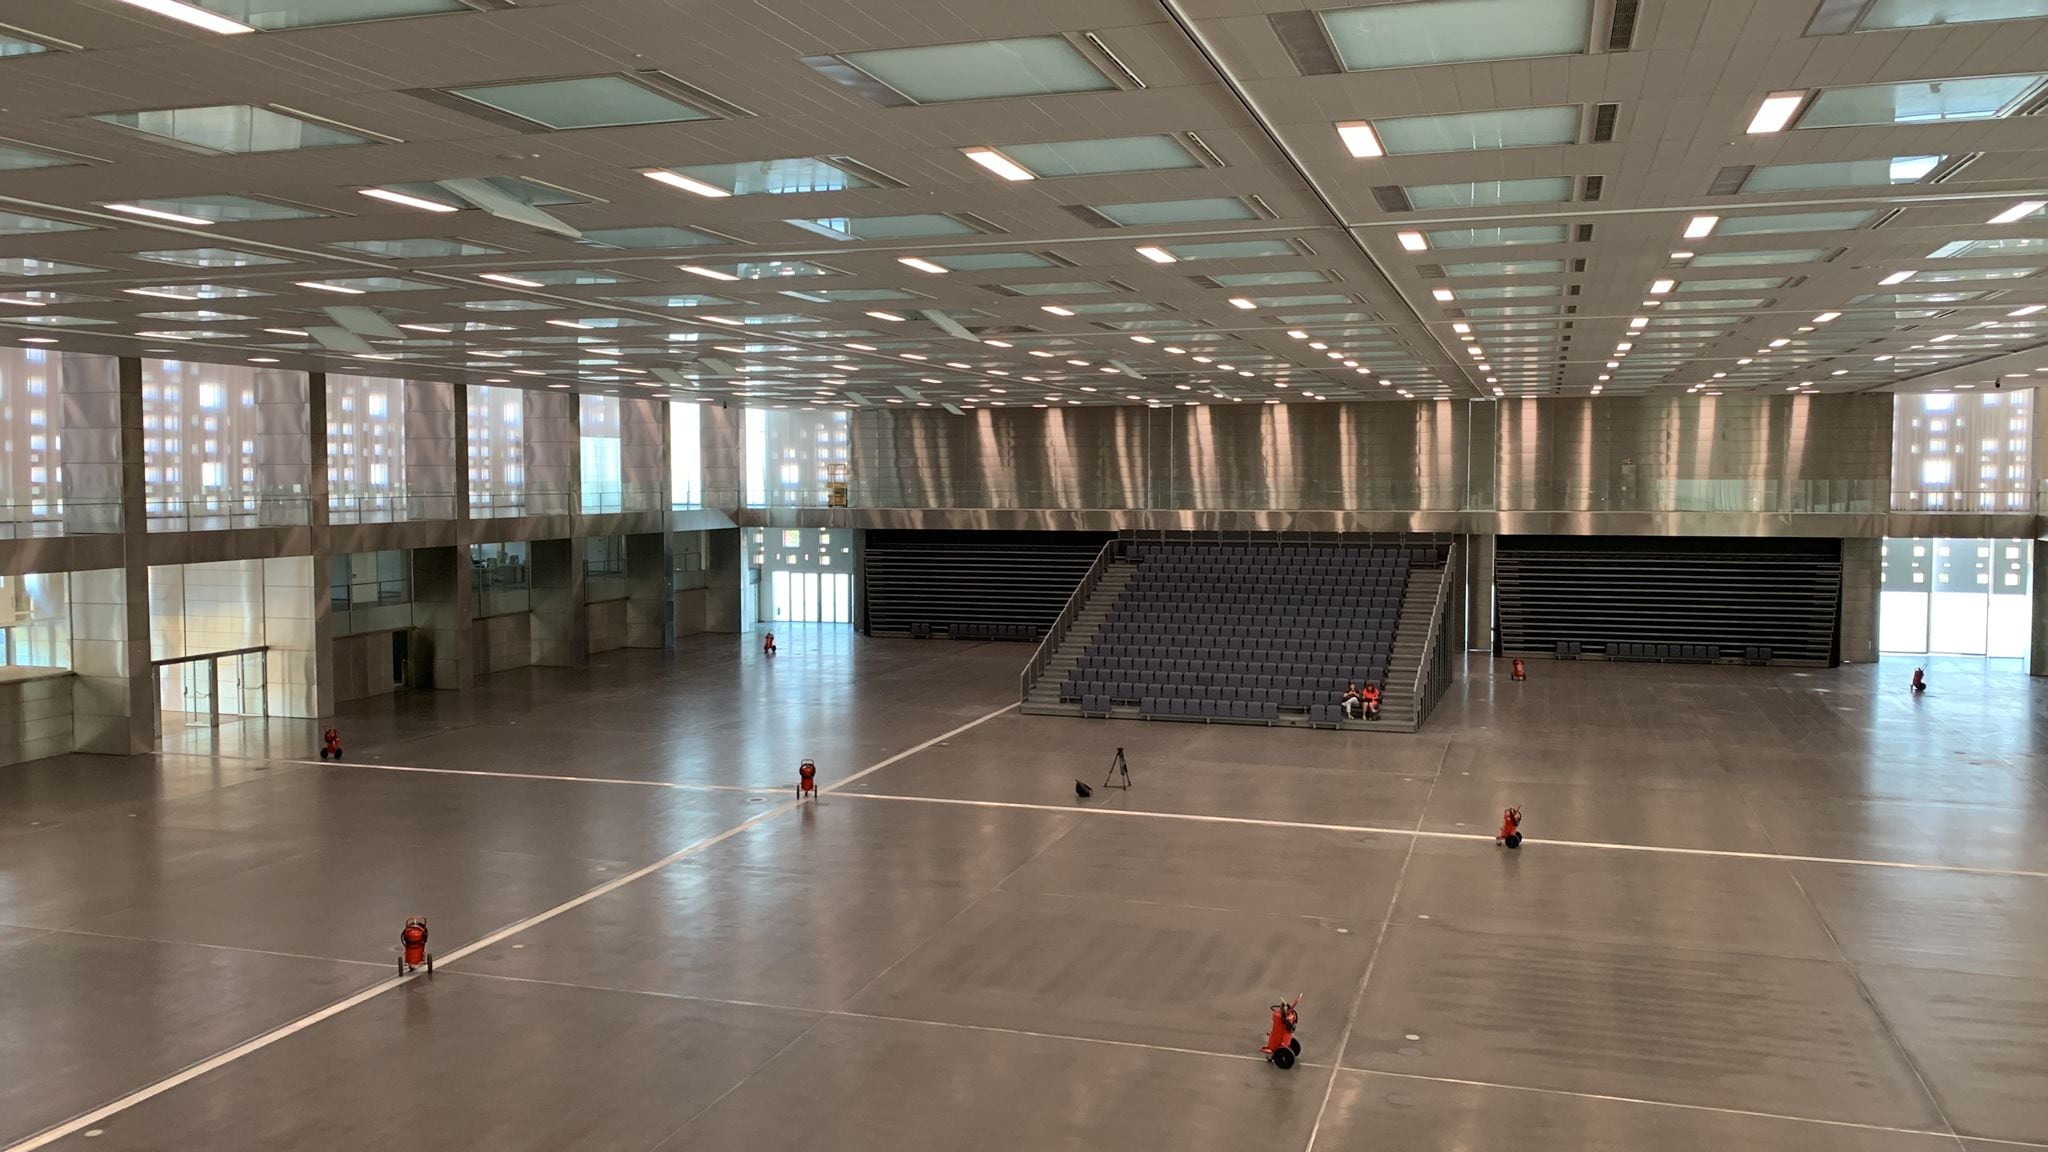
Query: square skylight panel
{"points": [[20, 46], [1756, 285], [850, 295], [767, 269], [1955, 273], [987, 70], [532, 193], [1759, 257], [30, 266], [583, 102], [49, 321], [21, 224], [226, 209], [1507, 291], [1506, 268], [1102, 157], [1449, 31], [504, 306], [1233, 250], [774, 177], [1921, 101], [1151, 212], [1927, 13], [1268, 279], [559, 277], [15, 158], [2018, 245], [885, 227], [416, 249], [208, 258], [985, 261], [1497, 237], [654, 236], [278, 15], [1485, 193], [380, 284], [1792, 222], [234, 128], [1479, 131], [675, 301], [1112, 308], [1878, 172]]}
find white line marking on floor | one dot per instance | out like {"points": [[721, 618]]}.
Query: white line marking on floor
{"points": [[1852, 1124], [292, 1028], [680, 785], [1430, 834]]}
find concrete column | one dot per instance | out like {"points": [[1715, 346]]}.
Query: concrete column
{"points": [[650, 591], [113, 702], [560, 627], [90, 424], [2037, 652], [553, 454], [294, 596], [725, 565], [285, 430], [319, 588], [1479, 593], [442, 654], [1862, 576], [436, 451]]}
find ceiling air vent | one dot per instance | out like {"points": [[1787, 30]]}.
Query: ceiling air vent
{"points": [[1885, 219], [1430, 271], [1089, 216], [1954, 168], [1591, 186], [1571, 290], [873, 175], [1728, 181], [1604, 116], [1579, 265], [1260, 206], [1114, 60], [976, 222], [1392, 198], [1207, 154], [1301, 33], [1585, 233], [1621, 31]]}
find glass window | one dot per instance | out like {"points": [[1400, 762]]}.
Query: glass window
{"points": [[1479, 131], [686, 454], [885, 227], [1791, 222], [417, 248], [1100, 157], [17, 46], [1482, 193], [1920, 101], [1878, 172], [988, 261], [225, 209], [604, 569], [500, 581], [1232, 249], [584, 102], [208, 258], [988, 70], [774, 177], [1506, 268], [1497, 237], [1759, 256], [234, 128], [21, 224], [1927, 13], [278, 15], [1448, 31], [603, 477], [497, 451], [15, 158], [1152, 212]]}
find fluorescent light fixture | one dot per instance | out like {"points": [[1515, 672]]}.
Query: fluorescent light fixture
{"points": [[2029, 310], [1157, 255], [192, 14], [1826, 316], [335, 288], [400, 198], [1897, 278], [998, 343], [505, 278], [1780, 342], [159, 294], [921, 264], [1360, 140], [1443, 294], [2019, 211], [1776, 111], [1681, 255], [1461, 327], [707, 273], [999, 164], [1296, 334], [1134, 340], [1660, 287], [1639, 322], [1413, 241], [572, 324], [892, 317], [157, 214], [1697, 228], [1056, 310], [1241, 302], [1946, 336], [687, 184]]}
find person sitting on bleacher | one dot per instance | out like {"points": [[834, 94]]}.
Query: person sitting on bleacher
{"points": [[1371, 700], [1354, 702]]}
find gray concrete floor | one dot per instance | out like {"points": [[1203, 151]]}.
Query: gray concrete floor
{"points": [[1759, 909]]}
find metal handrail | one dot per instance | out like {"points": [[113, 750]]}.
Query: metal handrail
{"points": [[1429, 645], [1055, 635]]}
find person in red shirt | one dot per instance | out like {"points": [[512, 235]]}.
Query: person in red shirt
{"points": [[1371, 696], [1510, 828]]}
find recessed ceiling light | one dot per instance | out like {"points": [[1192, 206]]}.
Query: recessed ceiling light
{"points": [[1698, 227], [38, 339], [572, 324], [1776, 111], [1413, 241], [1443, 294], [1780, 342], [1241, 302], [337, 289], [998, 343], [664, 176], [1156, 254], [1660, 287], [1944, 337], [1897, 278], [159, 293], [419, 202], [2019, 211], [1460, 327], [1826, 316], [1143, 340], [1360, 140], [998, 163], [892, 317], [192, 14], [1681, 255], [1639, 322], [921, 264], [2029, 310], [506, 278], [1055, 309], [1296, 334], [157, 214], [707, 273]]}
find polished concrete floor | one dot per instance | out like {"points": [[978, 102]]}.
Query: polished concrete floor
{"points": [[1759, 909]]}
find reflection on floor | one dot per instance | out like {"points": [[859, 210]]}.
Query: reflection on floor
{"points": [[1760, 909]]}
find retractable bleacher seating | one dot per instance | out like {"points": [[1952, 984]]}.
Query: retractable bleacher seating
{"points": [[1244, 633]]}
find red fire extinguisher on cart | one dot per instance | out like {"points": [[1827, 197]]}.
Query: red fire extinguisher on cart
{"points": [[807, 781], [414, 942], [1517, 671]]}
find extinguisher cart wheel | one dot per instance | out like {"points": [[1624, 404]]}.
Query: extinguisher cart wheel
{"points": [[1283, 1058]]}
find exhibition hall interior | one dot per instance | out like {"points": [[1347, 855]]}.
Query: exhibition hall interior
{"points": [[644, 575]]}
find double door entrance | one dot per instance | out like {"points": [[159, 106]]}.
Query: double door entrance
{"points": [[202, 689]]}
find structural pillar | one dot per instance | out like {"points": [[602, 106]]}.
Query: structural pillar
{"points": [[650, 591], [560, 625], [113, 702], [1862, 577], [725, 568], [442, 655], [2037, 650], [1479, 592]]}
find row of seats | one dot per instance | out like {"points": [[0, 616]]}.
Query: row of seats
{"points": [[1297, 551], [1350, 598], [1273, 635], [1313, 685], [1022, 632], [1629, 650], [1245, 657], [1160, 568], [1243, 711], [1235, 668], [1131, 691]]}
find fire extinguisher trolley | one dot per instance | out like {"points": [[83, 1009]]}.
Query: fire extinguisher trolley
{"points": [[413, 942], [1281, 1047], [807, 780]]}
